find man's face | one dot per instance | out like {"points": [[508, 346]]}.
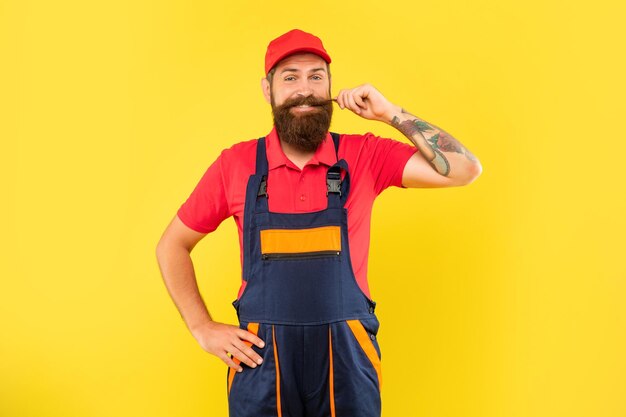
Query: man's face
{"points": [[300, 99]]}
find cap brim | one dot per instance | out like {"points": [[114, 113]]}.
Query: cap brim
{"points": [[317, 52]]}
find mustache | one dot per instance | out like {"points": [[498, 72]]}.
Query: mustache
{"points": [[309, 100]]}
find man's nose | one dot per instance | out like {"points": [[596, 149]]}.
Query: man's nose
{"points": [[304, 88]]}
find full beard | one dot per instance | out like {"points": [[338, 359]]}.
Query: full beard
{"points": [[304, 131]]}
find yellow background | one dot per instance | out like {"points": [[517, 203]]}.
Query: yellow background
{"points": [[502, 298]]}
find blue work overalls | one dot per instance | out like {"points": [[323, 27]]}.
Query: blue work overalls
{"points": [[321, 357]]}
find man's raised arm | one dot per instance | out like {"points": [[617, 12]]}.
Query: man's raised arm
{"points": [[442, 160]]}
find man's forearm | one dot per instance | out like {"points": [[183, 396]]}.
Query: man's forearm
{"points": [[435, 145], [180, 279]]}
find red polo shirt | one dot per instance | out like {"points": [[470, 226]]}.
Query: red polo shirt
{"points": [[375, 163]]}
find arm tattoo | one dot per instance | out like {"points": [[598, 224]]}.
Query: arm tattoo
{"points": [[433, 145]]}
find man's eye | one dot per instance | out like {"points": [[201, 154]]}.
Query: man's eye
{"points": [[316, 77], [290, 78]]}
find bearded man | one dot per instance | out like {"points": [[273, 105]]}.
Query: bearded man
{"points": [[306, 341]]}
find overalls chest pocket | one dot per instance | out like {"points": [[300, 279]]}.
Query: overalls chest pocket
{"points": [[301, 273], [301, 244]]}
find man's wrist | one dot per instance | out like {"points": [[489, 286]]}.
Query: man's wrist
{"points": [[391, 113], [204, 323]]}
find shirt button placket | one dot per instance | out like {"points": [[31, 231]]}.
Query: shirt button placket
{"points": [[302, 195]]}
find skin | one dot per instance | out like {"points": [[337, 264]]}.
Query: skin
{"points": [[442, 161], [298, 75], [219, 339]]}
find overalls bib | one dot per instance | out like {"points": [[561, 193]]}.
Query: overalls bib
{"points": [[321, 357]]}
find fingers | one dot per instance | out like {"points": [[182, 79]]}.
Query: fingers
{"points": [[360, 102], [367, 102], [353, 99], [242, 351], [247, 355], [248, 339], [351, 104], [251, 337], [224, 340], [230, 362]]}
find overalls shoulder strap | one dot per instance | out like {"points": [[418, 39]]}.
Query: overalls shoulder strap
{"points": [[337, 189], [335, 137], [261, 166]]}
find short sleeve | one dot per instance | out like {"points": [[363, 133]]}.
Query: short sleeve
{"points": [[388, 158], [207, 205]]}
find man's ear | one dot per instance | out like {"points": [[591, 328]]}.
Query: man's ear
{"points": [[265, 86]]}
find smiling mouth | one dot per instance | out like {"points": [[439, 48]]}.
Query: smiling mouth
{"points": [[304, 107]]}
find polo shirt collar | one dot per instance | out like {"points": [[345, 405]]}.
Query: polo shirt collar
{"points": [[325, 153]]}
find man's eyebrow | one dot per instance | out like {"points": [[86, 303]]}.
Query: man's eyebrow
{"points": [[296, 70]]}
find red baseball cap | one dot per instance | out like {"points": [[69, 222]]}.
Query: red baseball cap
{"points": [[291, 42]]}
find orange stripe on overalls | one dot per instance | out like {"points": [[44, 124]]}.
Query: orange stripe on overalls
{"points": [[252, 328]]}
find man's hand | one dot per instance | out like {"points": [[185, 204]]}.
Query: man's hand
{"points": [[367, 102], [221, 339]]}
